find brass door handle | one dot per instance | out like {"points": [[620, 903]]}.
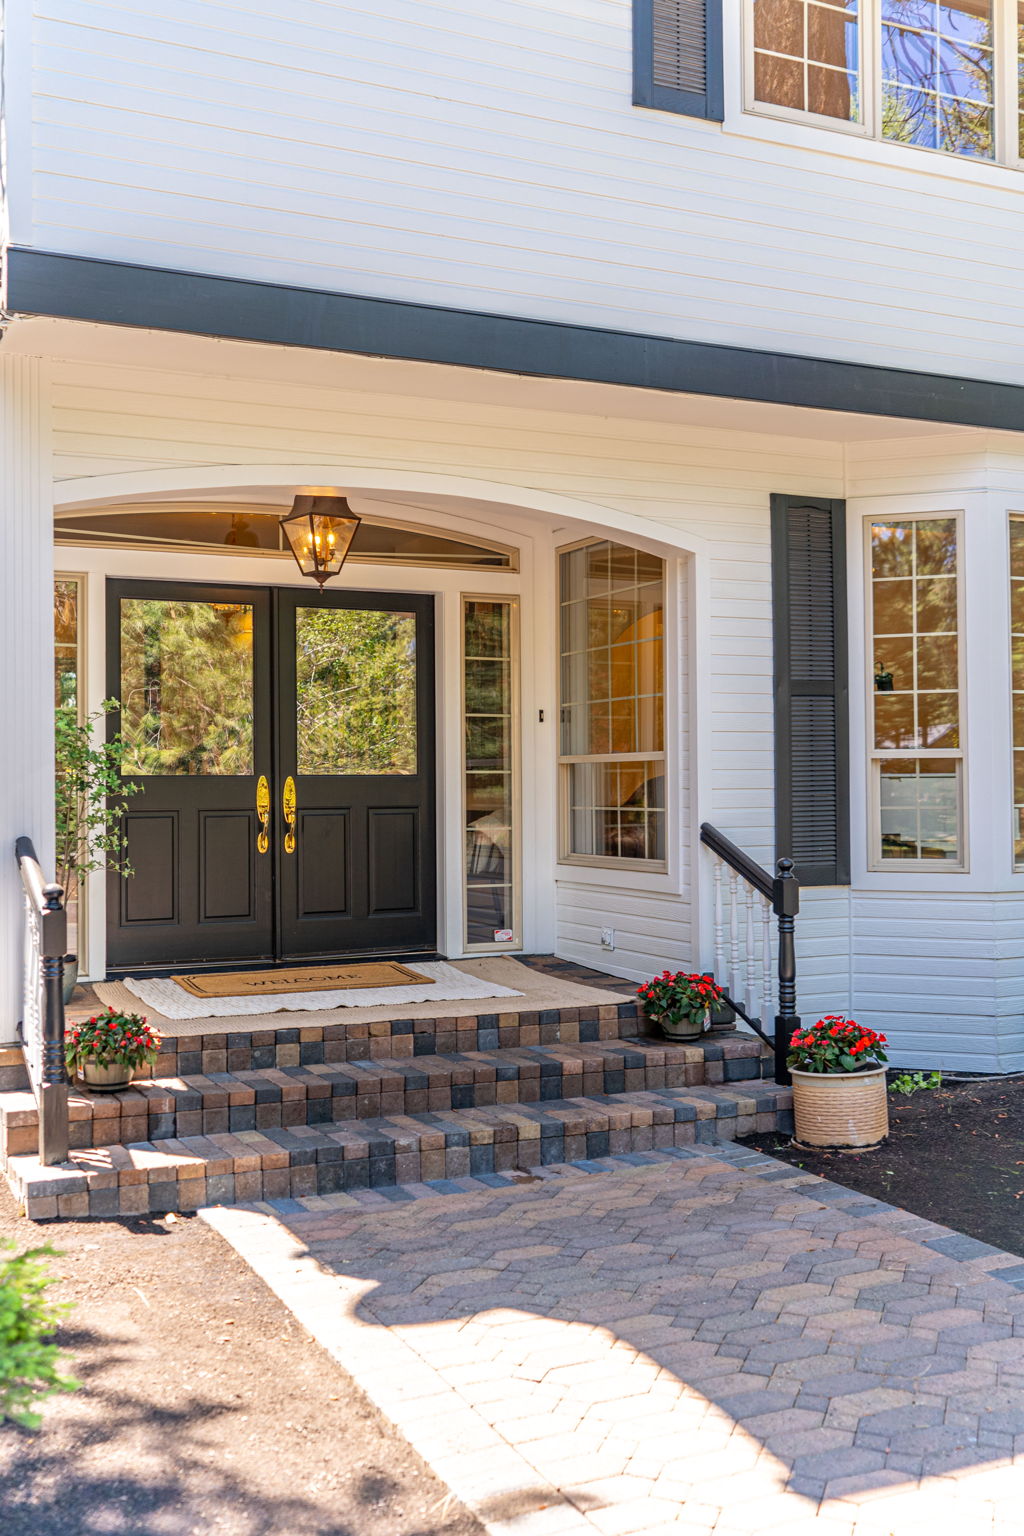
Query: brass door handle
{"points": [[289, 806], [263, 812]]}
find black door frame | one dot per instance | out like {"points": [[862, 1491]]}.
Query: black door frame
{"points": [[268, 753]]}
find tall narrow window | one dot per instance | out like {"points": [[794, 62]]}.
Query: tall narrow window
{"points": [[489, 692], [1017, 683], [66, 667], [67, 695], [916, 694], [612, 724]]}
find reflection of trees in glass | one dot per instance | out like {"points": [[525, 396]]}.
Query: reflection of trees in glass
{"points": [[937, 75], [355, 691], [65, 635], [806, 57], [186, 687]]}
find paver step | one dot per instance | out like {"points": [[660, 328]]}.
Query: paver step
{"points": [[281, 1044], [320, 1093], [190, 1171]]}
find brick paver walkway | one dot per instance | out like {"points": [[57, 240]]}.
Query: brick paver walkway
{"points": [[706, 1341]]}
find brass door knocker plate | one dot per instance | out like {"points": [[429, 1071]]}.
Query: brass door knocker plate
{"points": [[289, 805], [263, 812]]}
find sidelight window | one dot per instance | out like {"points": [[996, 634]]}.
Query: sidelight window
{"points": [[916, 692], [1017, 681], [490, 758], [612, 715], [940, 76]]}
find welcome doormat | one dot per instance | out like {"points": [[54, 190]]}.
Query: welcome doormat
{"points": [[303, 978], [434, 981]]}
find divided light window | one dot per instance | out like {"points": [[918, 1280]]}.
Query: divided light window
{"points": [[916, 694], [612, 717], [1017, 683], [491, 756], [947, 77]]}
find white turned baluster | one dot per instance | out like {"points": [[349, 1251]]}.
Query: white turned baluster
{"points": [[735, 978], [767, 1001], [719, 930], [752, 976]]}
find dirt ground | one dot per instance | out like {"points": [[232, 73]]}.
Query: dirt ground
{"points": [[204, 1410], [955, 1154]]}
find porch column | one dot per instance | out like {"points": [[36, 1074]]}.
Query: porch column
{"points": [[26, 651]]}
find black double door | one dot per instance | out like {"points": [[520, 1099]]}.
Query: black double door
{"points": [[282, 745]]}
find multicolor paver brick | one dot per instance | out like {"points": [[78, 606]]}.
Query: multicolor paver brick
{"points": [[688, 1340]]}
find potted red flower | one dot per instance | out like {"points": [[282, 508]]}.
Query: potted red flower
{"points": [[839, 1097], [680, 1003], [105, 1052]]}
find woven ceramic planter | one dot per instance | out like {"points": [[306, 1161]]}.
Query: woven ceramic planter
{"points": [[842, 1110]]}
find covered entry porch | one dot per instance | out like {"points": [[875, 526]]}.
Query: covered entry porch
{"points": [[457, 747]]}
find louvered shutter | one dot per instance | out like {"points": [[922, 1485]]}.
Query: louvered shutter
{"points": [[677, 56], [812, 769]]}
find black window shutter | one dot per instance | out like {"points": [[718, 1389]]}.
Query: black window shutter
{"points": [[677, 56], [812, 748]]}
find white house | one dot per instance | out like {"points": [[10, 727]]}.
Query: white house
{"points": [[672, 354]]}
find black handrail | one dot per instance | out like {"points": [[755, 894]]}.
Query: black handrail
{"points": [[43, 1002], [783, 891], [752, 873]]}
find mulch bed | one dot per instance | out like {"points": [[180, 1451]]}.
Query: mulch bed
{"points": [[204, 1409], [955, 1154]]}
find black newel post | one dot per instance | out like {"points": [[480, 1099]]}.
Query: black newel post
{"points": [[53, 1093], [786, 906]]}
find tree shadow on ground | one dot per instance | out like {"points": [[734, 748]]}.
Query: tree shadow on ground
{"points": [[803, 1315], [130, 1465]]}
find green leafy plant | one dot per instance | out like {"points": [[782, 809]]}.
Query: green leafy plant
{"points": [[675, 998], [91, 798], [29, 1360], [914, 1082], [835, 1044], [111, 1039]]}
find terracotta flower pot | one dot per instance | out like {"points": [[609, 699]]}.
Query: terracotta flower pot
{"points": [[683, 1029], [112, 1079], [840, 1109]]}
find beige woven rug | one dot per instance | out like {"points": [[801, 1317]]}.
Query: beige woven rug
{"points": [[534, 991], [301, 978]]}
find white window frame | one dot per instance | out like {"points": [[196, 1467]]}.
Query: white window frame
{"points": [[80, 578], [1005, 107], [876, 756], [566, 760], [503, 946], [1013, 516]]}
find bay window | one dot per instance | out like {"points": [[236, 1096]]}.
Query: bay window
{"points": [[612, 719], [916, 725], [941, 76]]}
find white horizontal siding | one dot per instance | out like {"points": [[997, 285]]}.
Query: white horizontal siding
{"points": [[942, 975], [484, 154]]}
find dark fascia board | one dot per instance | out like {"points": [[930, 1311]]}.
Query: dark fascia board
{"points": [[153, 298]]}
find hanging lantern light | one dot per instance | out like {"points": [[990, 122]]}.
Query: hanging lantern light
{"points": [[320, 530]]}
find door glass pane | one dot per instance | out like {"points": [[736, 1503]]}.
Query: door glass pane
{"points": [[186, 687], [489, 788], [355, 691]]}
